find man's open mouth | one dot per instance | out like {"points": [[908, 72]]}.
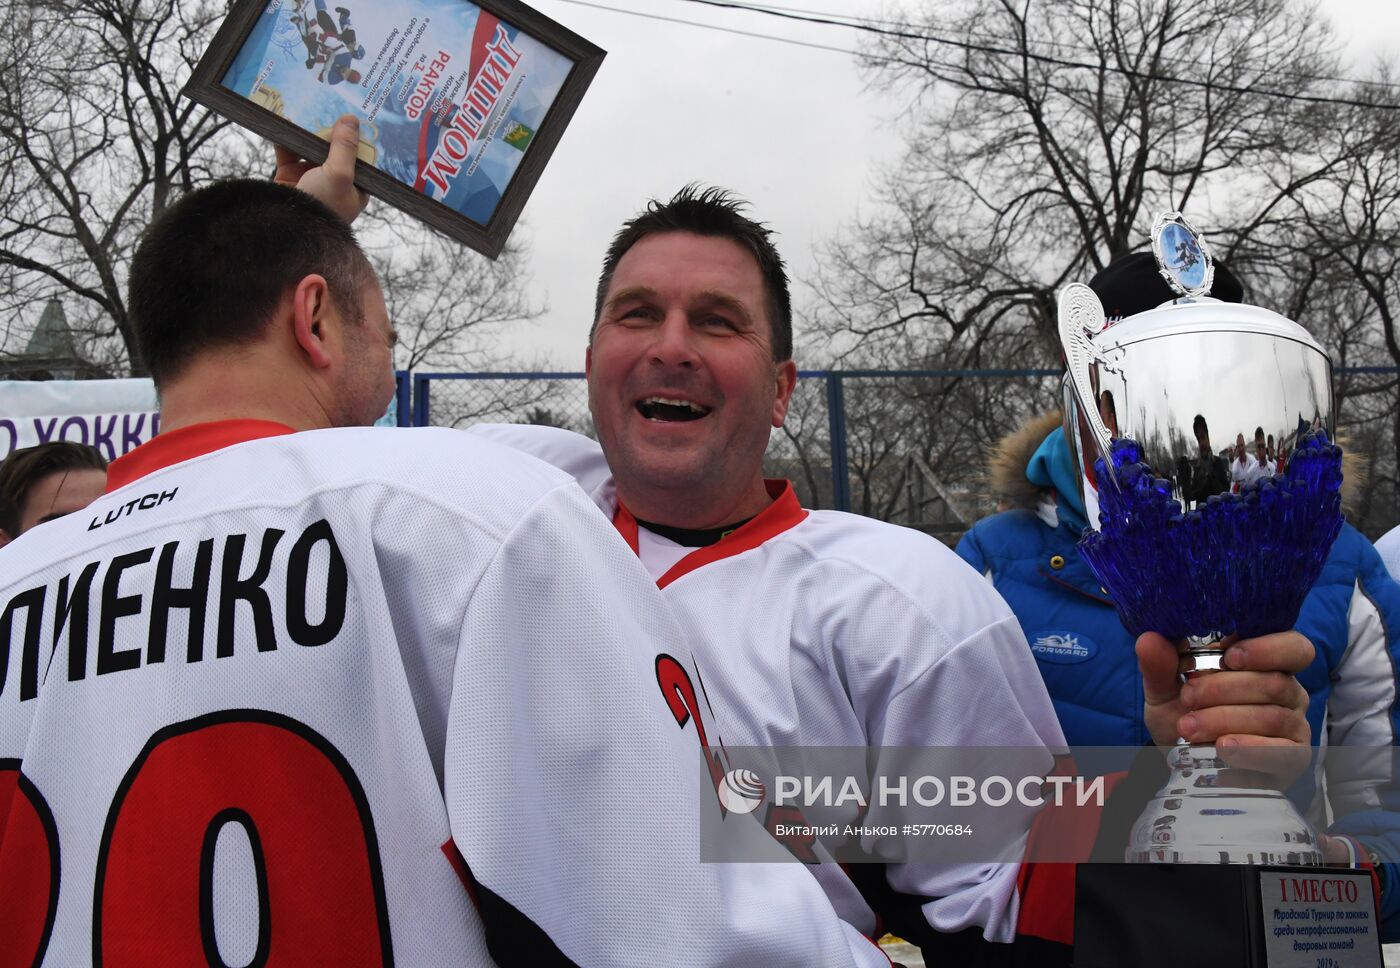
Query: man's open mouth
{"points": [[668, 408]]}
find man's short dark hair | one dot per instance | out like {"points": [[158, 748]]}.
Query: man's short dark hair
{"points": [[211, 270], [716, 213], [27, 466]]}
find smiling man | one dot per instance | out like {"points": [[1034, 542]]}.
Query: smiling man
{"points": [[819, 628], [685, 375]]}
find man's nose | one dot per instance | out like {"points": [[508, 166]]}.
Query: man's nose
{"points": [[674, 342]]}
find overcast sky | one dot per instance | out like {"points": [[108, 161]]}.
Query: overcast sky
{"points": [[790, 128]]}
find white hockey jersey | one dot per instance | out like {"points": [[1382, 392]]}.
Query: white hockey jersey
{"points": [[358, 697], [820, 628]]}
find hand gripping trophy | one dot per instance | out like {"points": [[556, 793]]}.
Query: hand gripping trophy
{"points": [[1199, 540]]}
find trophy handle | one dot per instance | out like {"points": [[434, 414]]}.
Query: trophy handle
{"points": [[1081, 316]]}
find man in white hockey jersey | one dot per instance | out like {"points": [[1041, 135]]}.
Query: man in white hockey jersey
{"points": [[817, 628], [823, 629], [318, 696]]}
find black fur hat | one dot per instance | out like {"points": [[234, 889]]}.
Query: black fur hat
{"points": [[1131, 284]]}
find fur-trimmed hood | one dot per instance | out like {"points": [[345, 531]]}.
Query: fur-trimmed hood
{"points": [[1006, 465]]}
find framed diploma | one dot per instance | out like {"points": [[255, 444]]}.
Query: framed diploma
{"points": [[460, 103]]}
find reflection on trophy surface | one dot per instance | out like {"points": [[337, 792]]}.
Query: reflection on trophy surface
{"points": [[1201, 530]]}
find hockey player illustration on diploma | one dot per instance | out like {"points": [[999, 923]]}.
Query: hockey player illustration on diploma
{"points": [[449, 95], [331, 43]]}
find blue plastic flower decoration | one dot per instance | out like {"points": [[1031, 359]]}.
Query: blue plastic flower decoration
{"points": [[1237, 563]]}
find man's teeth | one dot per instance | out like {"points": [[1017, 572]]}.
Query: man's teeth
{"points": [[673, 403], [670, 408]]}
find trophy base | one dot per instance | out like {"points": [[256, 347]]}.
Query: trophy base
{"points": [[1224, 916], [1203, 816]]}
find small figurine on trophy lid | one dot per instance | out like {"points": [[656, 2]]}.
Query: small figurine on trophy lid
{"points": [[1183, 257], [1145, 397]]}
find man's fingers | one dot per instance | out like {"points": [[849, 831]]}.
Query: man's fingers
{"points": [[1265, 761], [334, 182], [1157, 658], [1333, 850], [1282, 651], [290, 166], [1264, 748], [345, 142], [1237, 722], [285, 156], [1259, 700], [1244, 688]]}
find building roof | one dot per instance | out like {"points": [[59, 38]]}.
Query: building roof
{"points": [[52, 339]]}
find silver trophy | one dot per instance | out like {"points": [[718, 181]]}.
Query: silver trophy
{"points": [[1204, 388]]}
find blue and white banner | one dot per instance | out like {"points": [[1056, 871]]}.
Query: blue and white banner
{"points": [[114, 416]]}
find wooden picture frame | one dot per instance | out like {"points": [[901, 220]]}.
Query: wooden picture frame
{"points": [[461, 102]]}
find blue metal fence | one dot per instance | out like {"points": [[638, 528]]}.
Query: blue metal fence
{"points": [[836, 409], [902, 445], [813, 449], [403, 398]]}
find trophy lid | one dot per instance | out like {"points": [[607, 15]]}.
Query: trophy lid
{"points": [[1133, 284], [1203, 315]]}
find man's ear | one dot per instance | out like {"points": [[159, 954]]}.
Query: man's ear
{"points": [[786, 382], [588, 362], [311, 319]]}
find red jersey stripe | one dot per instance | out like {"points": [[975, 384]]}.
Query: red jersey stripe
{"points": [[174, 446]]}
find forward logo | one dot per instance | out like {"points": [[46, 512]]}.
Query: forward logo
{"points": [[1065, 647]]}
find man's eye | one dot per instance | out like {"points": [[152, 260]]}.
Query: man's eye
{"points": [[718, 321], [637, 312]]}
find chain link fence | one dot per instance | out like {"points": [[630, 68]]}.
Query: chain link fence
{"points": [[907, 446]]}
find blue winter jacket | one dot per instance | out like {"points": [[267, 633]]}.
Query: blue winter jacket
{"points": [[1352, 617]]}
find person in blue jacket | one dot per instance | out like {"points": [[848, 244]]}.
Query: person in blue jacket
{"points": [[1085, 655]]}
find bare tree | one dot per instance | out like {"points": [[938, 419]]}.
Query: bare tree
{"points": [[1331, 255], [1042, 138], [448, 303], [1040, 144], [95, 142], [802, 450]]}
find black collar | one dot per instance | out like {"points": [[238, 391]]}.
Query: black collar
{"points": [[692, 537]]}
